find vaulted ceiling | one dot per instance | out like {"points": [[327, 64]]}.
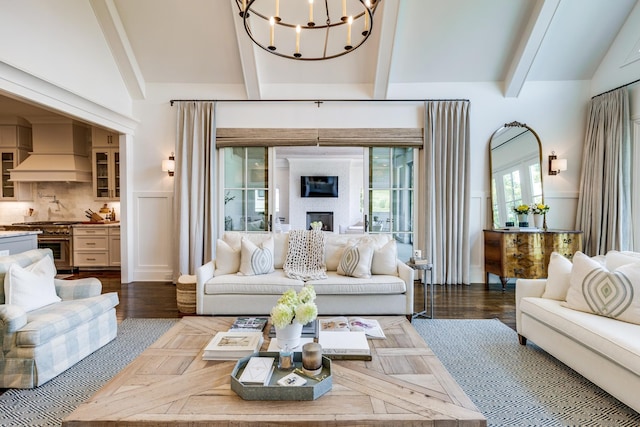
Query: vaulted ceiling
{"points": [[413, 41]]}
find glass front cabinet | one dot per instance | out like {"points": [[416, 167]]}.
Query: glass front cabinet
{"points": [[106, 165], [15, 145]]}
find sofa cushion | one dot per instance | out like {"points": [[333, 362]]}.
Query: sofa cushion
{"points": [[615, 259], [31, 287], [558, 277], [227, 258], [256, 259], [611, 338], [56, 319], [23, 259], [336, 284], [385, 259], [272, 283], [280, 243], [356, 260], [595, 289]]}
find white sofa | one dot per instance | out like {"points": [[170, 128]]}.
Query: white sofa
{"points": [[237, 294], [605, 350]]}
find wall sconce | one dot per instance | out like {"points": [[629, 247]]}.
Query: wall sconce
{"points": [[169, 165], [556, 165]]}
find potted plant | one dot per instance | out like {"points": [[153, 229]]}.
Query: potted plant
{"points": [[291, 312]]}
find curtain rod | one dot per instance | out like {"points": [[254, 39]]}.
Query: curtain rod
{"points": [[316, 101], [616, 88]]}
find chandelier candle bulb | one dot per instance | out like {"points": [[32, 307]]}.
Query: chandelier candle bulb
{"points": [[344, 9], [278, 9], [311, 23], [298, 39], [349, 22], [272, 25], [366, 18]]}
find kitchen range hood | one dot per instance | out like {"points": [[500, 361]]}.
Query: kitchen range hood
{"points": [[60, 153]]}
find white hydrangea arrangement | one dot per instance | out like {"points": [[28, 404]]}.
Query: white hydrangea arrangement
{"points": [[291, 306]]}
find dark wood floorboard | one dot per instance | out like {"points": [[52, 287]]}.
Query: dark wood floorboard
{"points": [[158, 299]]}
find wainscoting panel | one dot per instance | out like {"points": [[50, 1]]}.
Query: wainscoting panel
{"points": [[153, 254]]}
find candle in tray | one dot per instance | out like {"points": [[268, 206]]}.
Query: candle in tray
{"points": [[312, 358]]}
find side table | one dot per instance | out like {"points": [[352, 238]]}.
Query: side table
{"points": [[186, 294], [425, 284]]}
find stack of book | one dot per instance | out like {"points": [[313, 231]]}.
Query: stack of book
{"points": [[232, 345]]}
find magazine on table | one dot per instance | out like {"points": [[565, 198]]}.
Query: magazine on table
{"points": [[232, 345], [249, 324], [371, 327]]}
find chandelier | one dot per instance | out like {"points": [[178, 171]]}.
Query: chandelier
{"points": [[308, 29]]}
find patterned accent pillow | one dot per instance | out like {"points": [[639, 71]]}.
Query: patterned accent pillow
{"points": [[594, 289], [356, 261], [256, 259], [31, 287]]}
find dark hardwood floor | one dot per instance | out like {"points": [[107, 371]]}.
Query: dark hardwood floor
{"points": [[158, 299]]}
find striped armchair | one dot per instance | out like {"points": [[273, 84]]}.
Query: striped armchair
{"points": [[37, 345]]}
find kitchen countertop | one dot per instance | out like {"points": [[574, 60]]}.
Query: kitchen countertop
{"points": [[93, 224], [5, 234]]}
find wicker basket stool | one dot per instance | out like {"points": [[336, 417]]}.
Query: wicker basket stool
{"points": [[186, 294]]}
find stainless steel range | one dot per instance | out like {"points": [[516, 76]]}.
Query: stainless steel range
{"points": [[57, 236]]}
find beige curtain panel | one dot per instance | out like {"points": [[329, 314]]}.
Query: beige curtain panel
{"points": [[447, 193], [604, 202], [194, 185]]}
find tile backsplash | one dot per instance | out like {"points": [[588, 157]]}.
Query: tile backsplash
{"points": [[70, 202]]}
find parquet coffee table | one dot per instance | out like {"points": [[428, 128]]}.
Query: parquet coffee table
{"points": [[170, 385]]}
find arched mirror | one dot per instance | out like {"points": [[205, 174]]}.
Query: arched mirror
{"points": [[515, 163]]}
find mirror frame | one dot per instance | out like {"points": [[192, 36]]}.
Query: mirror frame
{"points": [[533, 132]]}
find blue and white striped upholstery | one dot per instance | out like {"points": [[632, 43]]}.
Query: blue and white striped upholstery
{"points": [[40, 344]]}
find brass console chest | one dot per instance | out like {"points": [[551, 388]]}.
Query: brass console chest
{"points": [[526, 254]]}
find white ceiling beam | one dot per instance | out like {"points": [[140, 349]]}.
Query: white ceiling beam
{"points": [[247, 56], [113, 30], [388, 25], [530, 41]]}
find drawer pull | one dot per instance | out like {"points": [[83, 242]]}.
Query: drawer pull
{"points": [[90, 243], [91, 259]]}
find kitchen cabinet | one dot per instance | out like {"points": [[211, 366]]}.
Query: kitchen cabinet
{"points": [[526, 254], [15, 144], [106, 164], [15, 242], [96, 246]]}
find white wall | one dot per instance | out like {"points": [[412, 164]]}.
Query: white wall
{"points": [[555, 110], [68, 50]]}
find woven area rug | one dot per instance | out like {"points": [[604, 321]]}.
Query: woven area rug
{"points": [[48, 404], [514, 385]]}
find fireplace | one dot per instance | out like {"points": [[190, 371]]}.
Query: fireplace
{"points": [[325, 217]]}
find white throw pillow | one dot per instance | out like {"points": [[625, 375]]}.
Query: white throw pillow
{"points": [[227, 259], [385, 259], [31, 287], [594, 289], [256, 259], [558, 277], [356, 261], [615, 259]]}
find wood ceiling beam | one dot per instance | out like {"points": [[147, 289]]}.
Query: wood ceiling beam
{"points": [[113, 30], [247, 56], [530, 42], [388, 24]]}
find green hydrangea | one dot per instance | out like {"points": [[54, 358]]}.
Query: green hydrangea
{"points": [[292, 306]]}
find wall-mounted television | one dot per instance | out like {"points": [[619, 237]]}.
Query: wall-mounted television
{"points": [[318, 186]]}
